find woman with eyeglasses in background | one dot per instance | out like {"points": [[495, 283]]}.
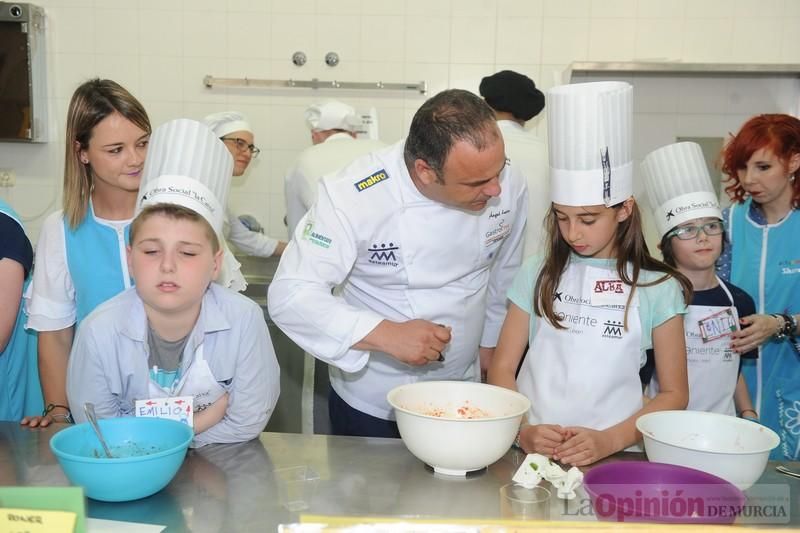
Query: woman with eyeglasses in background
{"points": [[689, 219], [234, 130], [762, 162]]}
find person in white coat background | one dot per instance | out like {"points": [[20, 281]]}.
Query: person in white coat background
{"points": [[333, 125], [424, 238], [515, 100], [235, 131]]}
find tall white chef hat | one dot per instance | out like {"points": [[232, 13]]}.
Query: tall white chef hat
{"points": [[590, 129], [187, 165], [331, 115], [227, 122], [678, 185]]}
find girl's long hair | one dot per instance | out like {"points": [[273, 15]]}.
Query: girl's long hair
{"points": [[630, 248], [93, 101]]}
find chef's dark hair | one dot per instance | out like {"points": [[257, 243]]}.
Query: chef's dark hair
{"points": [[450, 116]]}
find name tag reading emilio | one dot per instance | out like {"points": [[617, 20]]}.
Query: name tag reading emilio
{"points": [[717, 325], [179, 408]]}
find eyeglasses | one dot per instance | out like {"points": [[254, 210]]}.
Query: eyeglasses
{"points": [[686, 233], [242, 145]]}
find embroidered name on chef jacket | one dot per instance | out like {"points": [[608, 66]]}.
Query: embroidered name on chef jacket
{"points": [[372, 179], [316, 238]]}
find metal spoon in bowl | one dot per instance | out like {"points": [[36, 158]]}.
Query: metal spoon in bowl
{"points": [[786, 472], [88, 408]]}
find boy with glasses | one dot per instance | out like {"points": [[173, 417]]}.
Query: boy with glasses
{"points": [[688, 217]]}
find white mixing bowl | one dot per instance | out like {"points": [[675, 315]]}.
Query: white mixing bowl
{"points": [[438, 434], [734, 449]]}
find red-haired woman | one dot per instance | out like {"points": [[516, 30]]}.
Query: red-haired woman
{"points": [[762, 163]]}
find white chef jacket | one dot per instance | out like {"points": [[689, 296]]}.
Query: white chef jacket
{"points": [[529, 154], [333, 154], [398, 256], [249, 242]]}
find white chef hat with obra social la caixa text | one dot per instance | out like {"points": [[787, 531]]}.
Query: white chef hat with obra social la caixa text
{"points": [[678, 185]]}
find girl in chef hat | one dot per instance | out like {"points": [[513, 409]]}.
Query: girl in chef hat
{"points": [[597, 300], [689, 219], [80, 256]]}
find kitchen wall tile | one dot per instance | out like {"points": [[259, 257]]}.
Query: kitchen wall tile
{"points": [[161, 78], [708, 40], [613, 9], [661, 8], [520, 8], [565, 40], [248, 35], [519, 40], [475, 8], [428, 8], [472, 40], [71, 30], [427, 39], [757, 40], [161, 32], [658, 39], [382, 38], [204, 34], [611, 39], [567, 8]]}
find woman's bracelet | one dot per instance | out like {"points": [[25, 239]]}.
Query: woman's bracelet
{"points": [[743, 411], [787, 325], [67, 417]]}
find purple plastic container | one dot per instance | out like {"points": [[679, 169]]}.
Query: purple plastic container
{"points": [[640, 491]]}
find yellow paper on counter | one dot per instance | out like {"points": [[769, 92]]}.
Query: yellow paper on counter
{"points": [[36, 521]]}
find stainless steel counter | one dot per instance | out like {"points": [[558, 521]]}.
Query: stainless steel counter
{"points": [[257, 485]]}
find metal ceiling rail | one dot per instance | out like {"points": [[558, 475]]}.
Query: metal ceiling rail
{"points": [[211, 81]]}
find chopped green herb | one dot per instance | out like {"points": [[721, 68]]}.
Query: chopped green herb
{"points": [[534, 466]]}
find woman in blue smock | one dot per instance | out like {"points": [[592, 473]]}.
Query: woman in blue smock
{"points": [[762, 163], [80, 254], [20, 394]]}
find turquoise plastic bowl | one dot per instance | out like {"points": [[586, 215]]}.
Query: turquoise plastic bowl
{"points": [[147, 454]]}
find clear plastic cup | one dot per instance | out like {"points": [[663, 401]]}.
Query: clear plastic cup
{"points": [[521, 503]]}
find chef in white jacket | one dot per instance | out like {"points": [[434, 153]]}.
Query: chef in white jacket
{"points": [[333, 125], [235, 131], [424, 237], [515, 100]]}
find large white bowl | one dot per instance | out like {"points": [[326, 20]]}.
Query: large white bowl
{"points": [[734, 449], [429, 423]]}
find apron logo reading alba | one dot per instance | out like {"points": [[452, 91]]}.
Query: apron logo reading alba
{"points": [[383, 254], [602, 286], [315, 238], [372, 179]]}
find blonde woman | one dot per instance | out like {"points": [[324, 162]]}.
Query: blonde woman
{"points": [[80, 255]]}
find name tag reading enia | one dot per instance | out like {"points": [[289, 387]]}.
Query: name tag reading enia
{"points": [[180, 408], [717, 325]]}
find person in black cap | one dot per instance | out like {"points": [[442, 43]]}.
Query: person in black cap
{"points": [[516, 100]]}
